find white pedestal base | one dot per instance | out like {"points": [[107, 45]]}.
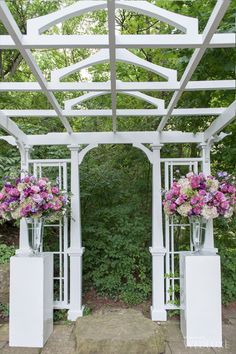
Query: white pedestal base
{"points": [[31, 300], [200, 297], [158, 315], [73, 315]]}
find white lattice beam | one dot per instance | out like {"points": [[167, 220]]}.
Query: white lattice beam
{"points": [[11, 128], [120, 112], [212, 24], [112, 57], [120, 86], [116, 138], [226, 117], [13, 30]]}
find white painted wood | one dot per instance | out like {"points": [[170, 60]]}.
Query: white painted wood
{"points": [[219, 40], [14, 31], [75, 251], [120, 86], [158, 311], [200, 289], [84, 151], [40, 24], [69, 104], [122, 55], [31, 300], [118, 138], [120, 112], [11, 128], [212, 24], [112, 58], [226, 117], [186, 24]]}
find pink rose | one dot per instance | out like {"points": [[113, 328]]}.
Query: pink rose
{"points": [[1, 196], [55, 190], [35, 189], [13, 192], [231, 189], [42, 183]]}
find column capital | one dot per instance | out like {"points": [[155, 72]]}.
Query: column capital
{"points": [[74, 147], [156, 146], [157, 251]]}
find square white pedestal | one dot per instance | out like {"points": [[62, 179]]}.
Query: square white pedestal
{"points": [[31, 300], [200, 300]]}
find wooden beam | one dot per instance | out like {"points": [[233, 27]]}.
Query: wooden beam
{"points": [[120, 86], [12, 128], [226, 117], [219, 40], [108, 112], [212, 24], [14, 31], [112, 53]]}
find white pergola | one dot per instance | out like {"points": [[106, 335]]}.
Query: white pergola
{"points": [[112, 48]]}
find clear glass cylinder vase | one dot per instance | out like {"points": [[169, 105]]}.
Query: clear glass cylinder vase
{"points": [[197, 232], [35, 228]]}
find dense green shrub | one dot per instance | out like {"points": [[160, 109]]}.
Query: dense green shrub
{"points": [[117, 260], [228, 269], [5, 253]]}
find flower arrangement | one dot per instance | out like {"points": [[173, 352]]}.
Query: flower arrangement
{"points": [[197, 195], [31, 197]]}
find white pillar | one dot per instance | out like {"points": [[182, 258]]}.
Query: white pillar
{"points": [[158, 312], [75, 251], [206, 168], [24, 248]]}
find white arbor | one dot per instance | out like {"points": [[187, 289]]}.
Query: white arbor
{"points": [[113, 48]]}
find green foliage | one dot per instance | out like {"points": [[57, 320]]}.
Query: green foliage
{"points": [[4, 310], [116, 180], [87, 311], [5, 253], [228, 268], [60, 315]]}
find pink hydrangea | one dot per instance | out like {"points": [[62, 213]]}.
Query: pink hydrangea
{"points": [[202, 196]]}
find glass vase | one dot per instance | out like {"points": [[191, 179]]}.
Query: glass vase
{"points": [[35, 227], [197, 232]]}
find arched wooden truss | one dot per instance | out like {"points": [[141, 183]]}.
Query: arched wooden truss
{"points": [[112, 48]]}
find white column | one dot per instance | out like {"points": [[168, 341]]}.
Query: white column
{"points": [[158, 312], [24, 248], [75, 251], [206, 168]]}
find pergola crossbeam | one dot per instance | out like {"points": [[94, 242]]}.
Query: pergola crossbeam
{"points": [[14, 31], [12, 128], [120, 86], [219, 40], [226, 117], [212, 24], [120, 112]]}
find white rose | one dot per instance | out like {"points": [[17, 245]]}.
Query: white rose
{"points": [[209, 212], [184, 209]]}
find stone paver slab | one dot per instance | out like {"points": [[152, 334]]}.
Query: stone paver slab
{"points": [[172, 331], [179, 348], [4, 329], [17, 350], [2, 344], [122, 331]]}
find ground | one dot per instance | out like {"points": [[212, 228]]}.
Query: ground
{"points": [[62, 342]]}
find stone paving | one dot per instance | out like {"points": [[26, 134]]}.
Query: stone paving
{"points": [[62, 340]]}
